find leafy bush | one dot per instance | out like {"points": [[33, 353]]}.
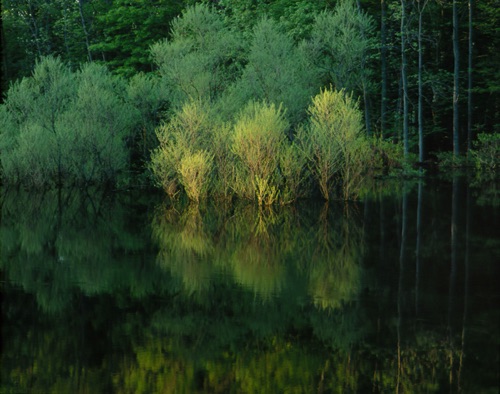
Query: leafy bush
{"points": [[180, 156], [201, 59], [334, 143], [486, 152], [59, 126], [194, 169], [258, 141], [277, 71]]}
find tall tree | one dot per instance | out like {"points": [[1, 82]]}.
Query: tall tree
{"points": [[469, 78], [456, 71], [421, 4], [127, 29], [404, 77], [383, 65]]}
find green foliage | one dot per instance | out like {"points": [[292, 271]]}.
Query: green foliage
{"points": [[66, 127], [486, 152], [277, 71], [334, 144], [125, 30], [450, 160], [201, 58], [384, 155], [258, 141], [341, 41], [181, 156], [194, 171], [146, 95]]}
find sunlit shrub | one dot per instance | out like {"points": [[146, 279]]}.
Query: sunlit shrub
{"points": [[194, 170], [181, 157], [259, 139], [334, 144]]}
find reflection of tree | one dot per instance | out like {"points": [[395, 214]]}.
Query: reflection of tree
{"points": [[56, 242], [118, 323], [185, 247], [256, 256], [335, 266]]}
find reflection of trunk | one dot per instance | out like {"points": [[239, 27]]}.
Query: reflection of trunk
{"points": [[453, 268], [466, 284], [400, 282], [417, 251]]}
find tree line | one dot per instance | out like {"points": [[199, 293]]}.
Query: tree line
{"points": [[398, 62]]}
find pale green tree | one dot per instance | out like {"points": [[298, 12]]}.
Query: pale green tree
{"points": [[200, 59]]}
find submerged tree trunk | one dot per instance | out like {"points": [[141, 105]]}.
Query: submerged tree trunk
{"points": [[456, 70]]}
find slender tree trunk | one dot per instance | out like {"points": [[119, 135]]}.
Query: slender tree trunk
{"points": [[421, 152], [383, 66], [404, 78], [470, 136], [85, 31], [35, 31], [456, 70]]}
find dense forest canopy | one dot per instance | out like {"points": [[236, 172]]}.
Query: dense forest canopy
{"points": [[423, 74]]}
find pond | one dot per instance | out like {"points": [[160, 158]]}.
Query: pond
{"points": [[127, 293]]}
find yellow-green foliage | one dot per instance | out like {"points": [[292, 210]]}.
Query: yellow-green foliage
{"points": [[258, 141], [333, 142], [180, 156], [194, 170]]}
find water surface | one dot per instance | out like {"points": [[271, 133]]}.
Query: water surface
{"points": [[127, 293]]}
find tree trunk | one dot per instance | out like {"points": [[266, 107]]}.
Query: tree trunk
{"points": [[85, 31], [470, 136], [383, 66], [421, 151], [404, 78], [456, 70]]}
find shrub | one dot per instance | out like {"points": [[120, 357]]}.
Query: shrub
{"points": [[334, 144], [486, 152], [258, 141], [180, 156], [65, 127], [194, 169], [201, 59]]}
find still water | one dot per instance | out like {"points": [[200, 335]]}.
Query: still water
{"points": [[126, 293]]}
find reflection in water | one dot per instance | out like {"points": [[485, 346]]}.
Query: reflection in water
{"points": [[259, 247], [117, 294]]}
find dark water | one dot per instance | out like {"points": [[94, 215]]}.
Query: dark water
{"points": [[125, 294]]}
